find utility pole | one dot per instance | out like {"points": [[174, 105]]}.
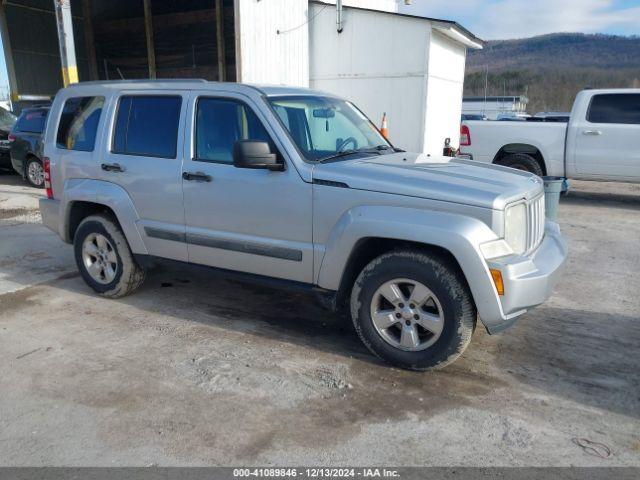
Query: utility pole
{"points": [[486, 87], [65, 40]]}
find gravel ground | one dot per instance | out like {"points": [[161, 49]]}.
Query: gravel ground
{"points": [[200, 370]]}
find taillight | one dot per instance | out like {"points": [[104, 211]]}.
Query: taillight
{"points": [[465, 136], [11, 137], [46, 165]]}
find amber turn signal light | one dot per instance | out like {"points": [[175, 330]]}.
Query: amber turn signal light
{"points": [[497, 280]]}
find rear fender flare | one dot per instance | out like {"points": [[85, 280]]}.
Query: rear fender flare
{"points": [[110, 195]]}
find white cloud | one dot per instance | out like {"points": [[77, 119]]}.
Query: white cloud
{"points": [[494, 19]]}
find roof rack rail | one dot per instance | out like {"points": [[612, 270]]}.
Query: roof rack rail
{"points": [[139, 80]]}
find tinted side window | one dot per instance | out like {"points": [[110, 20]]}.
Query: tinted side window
{"points": [[79, 123], [220, 123], [621, 108], [32, 121], [147, 125]]}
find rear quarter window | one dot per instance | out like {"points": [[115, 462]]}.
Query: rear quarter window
{"points": [[79, 123], [32, 121], [621, 108], [147, 126]]}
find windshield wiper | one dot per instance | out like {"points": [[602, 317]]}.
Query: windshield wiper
{"points": [[352, 151]]}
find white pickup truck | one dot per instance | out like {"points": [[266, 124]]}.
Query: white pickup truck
{"points": [[601, 141]]}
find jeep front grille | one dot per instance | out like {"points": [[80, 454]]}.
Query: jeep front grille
{"points": [[535, 223]]}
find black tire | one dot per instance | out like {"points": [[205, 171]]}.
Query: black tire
{"points": [[522, 161], [30, 181], [128, 274], [444, 280]]}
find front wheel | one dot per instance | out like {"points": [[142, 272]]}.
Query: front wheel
{"points": [[413, 310], [104, 258]]}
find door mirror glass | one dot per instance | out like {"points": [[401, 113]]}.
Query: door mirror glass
{"points": [[255, 154]]}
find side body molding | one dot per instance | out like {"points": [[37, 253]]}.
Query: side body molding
{"points": [[458, 234], [104, 193]]}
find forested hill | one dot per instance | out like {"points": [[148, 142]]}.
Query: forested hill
{"points": [[551, 69]]}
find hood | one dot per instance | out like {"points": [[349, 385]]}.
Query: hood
{"points": [[438, 178]]}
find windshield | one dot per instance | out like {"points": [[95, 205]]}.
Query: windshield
{"points": [[325, 128], [7, 119]]}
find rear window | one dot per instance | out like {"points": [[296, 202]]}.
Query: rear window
{"points": [[622, 108], [147, 126], [79, 123], [32, 121]]}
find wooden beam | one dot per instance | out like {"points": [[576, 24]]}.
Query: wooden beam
{"points": [[222, 74], [89, 41], [148, 29], [159, 21]]}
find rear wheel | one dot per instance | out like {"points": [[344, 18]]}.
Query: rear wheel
{"points": [[521, 161], [104, 258], [413, 310], [35, 172]]}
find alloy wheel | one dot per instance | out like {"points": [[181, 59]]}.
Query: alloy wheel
{"points": [[407, 315], [99, 258]]}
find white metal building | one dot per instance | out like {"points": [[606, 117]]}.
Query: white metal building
{"points": [[410, 67], [492, 107]]}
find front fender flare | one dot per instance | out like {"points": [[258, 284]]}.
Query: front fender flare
{"points": [[458, 234]]}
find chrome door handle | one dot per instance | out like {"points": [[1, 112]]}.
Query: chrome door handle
{"points": [[592, 132], [112, 167], [197, 176]]}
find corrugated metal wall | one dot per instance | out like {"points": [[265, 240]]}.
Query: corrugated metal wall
{"points": [[273, 41], [444, 92], [34, 47], [394, 64], [379, 61], [382, 5]]}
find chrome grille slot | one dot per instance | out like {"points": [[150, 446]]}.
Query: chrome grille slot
{"points": [[535, 223]]}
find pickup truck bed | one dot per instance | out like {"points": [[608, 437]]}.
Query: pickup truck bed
{"points": [[601, 141]]}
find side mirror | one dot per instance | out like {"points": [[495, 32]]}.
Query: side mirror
{"points": [[255, 154]]}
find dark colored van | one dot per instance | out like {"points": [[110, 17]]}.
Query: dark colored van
{"points": [[7, 121], [26, 145]]}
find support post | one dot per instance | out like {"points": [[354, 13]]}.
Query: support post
{"points": [[148, 29], [6, 45], [65, 40], [222, 74], [89, 40]]}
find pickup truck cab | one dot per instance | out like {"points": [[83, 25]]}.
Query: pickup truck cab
{"points": [[601, 140], [297, 186]]}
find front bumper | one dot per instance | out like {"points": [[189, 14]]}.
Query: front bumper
{"points": [[529, 280], [50, 212]]}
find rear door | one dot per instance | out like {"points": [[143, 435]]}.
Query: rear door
{"points": [[255, 221], [143, 155], [607, 141]]}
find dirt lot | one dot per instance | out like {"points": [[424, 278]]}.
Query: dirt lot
{"points": [[196, 370]]}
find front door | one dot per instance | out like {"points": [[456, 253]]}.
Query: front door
{"points": [[144, 157], [607, 142], [254, 221]]}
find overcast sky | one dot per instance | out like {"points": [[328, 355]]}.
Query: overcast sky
{"points": [[498, 19]]}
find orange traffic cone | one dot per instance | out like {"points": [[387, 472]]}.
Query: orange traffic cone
{"points": [[383, 129]]}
